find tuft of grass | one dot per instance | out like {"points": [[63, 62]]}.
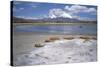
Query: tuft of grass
{"points": [[47, 41], [39, 45], [54, 38], [85, 38], [69, 38], [88, 38]]}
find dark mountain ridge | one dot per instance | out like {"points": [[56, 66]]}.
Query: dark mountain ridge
{"points": [[49, 20]]}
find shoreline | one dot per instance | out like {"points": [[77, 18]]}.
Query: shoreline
{"points": [[35, 33], [15, 24], [25, 41]]}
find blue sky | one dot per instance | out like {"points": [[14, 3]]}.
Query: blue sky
{"points": [[36, 10]]}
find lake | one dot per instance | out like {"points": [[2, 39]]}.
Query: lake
{"points": [[90, 29]]}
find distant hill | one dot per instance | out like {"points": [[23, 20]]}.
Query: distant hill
{"points": [[49, 20]]}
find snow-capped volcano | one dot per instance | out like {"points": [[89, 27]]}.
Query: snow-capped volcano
{"points": [[55, 13]]}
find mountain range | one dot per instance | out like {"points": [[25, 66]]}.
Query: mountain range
{"points": [[48, 20]]}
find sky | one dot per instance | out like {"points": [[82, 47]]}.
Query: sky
{"points": [[38, 10]]}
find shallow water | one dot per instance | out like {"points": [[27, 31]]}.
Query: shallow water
{"points": [[58, 29]]}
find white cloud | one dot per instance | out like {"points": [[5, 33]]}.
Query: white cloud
{"points": [[93, 11], [77, 9], [21, 8], [66, 7], [54, 13], [74, 9], [17, 9], [16, 2], [28, 17], [33, 6]]}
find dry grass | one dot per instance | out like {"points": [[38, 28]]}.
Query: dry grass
{"points": [[94, 38], [88, 38], [69, 38], [38, 45], [85, 38], [47, 41], [54, 38]]}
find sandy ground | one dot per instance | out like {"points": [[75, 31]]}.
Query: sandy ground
{"points": [[59, 51]]}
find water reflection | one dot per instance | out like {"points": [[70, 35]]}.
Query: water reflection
{"points": [[70, 29]]}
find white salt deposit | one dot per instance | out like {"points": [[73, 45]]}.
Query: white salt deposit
{"points": [[60, 51]]}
